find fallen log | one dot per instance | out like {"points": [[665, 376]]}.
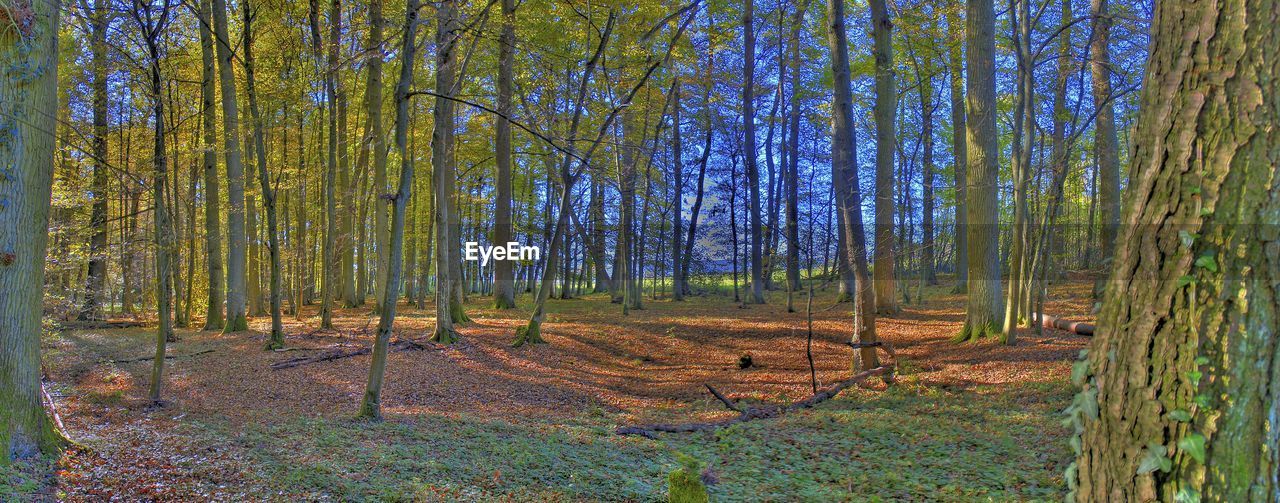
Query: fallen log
{"points": [[338, 354], [1075, 327], [649, 430], [101, 324]]}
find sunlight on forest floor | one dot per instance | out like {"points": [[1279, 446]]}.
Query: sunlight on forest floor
{"points": [[483, 420]]}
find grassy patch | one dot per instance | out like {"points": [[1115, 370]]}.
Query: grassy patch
{"points": [[910, 443]]}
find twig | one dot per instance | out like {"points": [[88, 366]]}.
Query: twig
{"points": [[723, 399]]}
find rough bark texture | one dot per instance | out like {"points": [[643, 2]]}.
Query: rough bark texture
{"points": [[28, 106], [374, 144], [793, 166], [443, 176], [844, 168], [677, 199], [926, 143], [1181, 387], [983, 309], [886, 106]]}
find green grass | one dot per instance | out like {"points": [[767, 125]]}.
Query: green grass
{"points": [[910, 443]]}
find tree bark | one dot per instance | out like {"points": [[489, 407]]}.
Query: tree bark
{"points": [[1179, 392], [92, 309], [26, 153], [959, 152], [844, 168], [236, 241], [749, 153], [276, 340], [504, 292], [886, 106], [983, 308]]}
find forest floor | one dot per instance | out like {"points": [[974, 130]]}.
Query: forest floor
{"points": [[481, 420]]}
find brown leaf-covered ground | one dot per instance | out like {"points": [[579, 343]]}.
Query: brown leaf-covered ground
{"points": [[648, 366]]}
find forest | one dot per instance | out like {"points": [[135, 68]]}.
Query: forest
{"points": [[657, 250]]}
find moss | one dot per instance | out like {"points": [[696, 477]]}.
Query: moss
{"points": [[444, 335], [684, 484], [529, 334], [457, 312], [238, 324], [974, 333]]}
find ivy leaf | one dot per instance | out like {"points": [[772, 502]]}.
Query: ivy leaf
{"points": [[1079, 372], [1187, 495], [1187, 238], [1207, 262], [1193, 444], [1155, 459], [1202, 360], [1180, 415], [1186, 280]]}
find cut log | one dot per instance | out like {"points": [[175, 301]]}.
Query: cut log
{"points": [[1075, 327], [338, 354]]}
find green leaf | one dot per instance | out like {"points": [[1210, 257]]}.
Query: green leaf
{"points": [[1202, 400], [1180, 415], [1187, 495], [1187, 238], [1202, 360], [1196, 189], [1079, 372], [1193, 444], [1193, 376], [1207, 262], [1155, 459], [1186, 280]]}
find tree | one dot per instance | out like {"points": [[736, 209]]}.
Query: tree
{"points": [[237, 240], [677, 199], [959, 152], [373, 142], [844, 169], [371, 405], [885, 110], [1106, 146], [28, 90], [99, 18], [793, 168], [264, 179], [1179, 385], [152, 21], [504, 292], [212, 216], [749, 156], [982, 151], [448, 305]]}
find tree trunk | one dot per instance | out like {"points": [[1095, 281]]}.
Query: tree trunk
{"points": [[504, 292], [92, 309], [959, 153], [276, 340], [26, 151], [885, 111], [1106, 146], [983, 308], [374, 141], [926, 143], [793, 168], [749, 155], [371, 404], [1179, 394], [677, 198], [152, 25], [1023, 136], [444, 176], [844, 168], [236, 242]]}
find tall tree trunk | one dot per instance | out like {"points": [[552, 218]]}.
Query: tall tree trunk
{"points": [[371, 404], [504, 292], [276, 340], [1023, 136], [330, 265], [1180, 386], [448, 310], [749, 155], [92, 309], [886, 106], [959, 152], [26, 150], [844, 168], [236, 241], [926, 143], [1106, 146], [374, 141], [983, 308], [212, 214], [793, 169], [677, 198]]}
